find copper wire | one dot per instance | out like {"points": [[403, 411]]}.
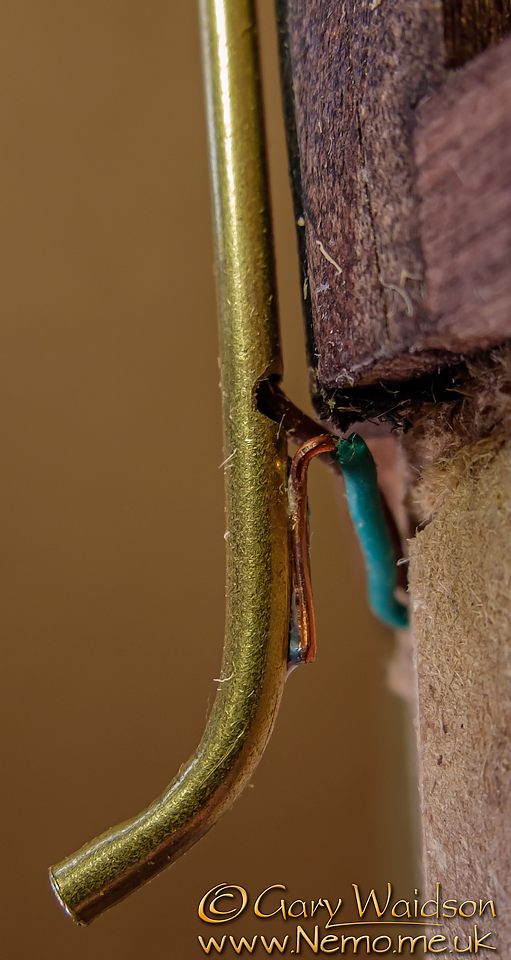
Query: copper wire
{"points": [[302, 589]]}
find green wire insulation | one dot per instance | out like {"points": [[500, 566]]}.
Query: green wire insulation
{"points": [[364, 504]]}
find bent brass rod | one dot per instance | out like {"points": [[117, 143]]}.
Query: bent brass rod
{"points": [[258, 575]]}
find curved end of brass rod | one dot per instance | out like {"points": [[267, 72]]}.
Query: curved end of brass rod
{"points": [[56, 890], [112, 866]]}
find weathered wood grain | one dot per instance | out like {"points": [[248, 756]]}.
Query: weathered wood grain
{"points": [[355, 74], [463, 151], [358, 71], [472, 26]]}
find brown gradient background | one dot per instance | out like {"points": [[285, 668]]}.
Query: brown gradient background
{"points": [[112, 505]]}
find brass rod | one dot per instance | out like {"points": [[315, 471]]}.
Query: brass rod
{"points": [[258, 575]]}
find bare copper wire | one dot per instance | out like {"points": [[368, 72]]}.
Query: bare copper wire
{"points": [[299, 541]]}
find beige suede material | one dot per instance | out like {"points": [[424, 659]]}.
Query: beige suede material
{"points": [[460, 586]]}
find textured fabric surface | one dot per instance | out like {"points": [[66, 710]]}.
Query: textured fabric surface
{"points": [[460, 576]]}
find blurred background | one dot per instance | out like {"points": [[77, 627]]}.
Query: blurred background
{"points": [[112, 505]]}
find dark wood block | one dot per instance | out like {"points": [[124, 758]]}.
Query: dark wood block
{"points": [[463, 151], [357, 73], [472, 26]]}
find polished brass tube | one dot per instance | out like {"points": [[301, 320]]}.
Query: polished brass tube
{"points": [[258, 576]]}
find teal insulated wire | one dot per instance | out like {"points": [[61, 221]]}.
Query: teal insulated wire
{"points": [[355, 461], [364, 504]]}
